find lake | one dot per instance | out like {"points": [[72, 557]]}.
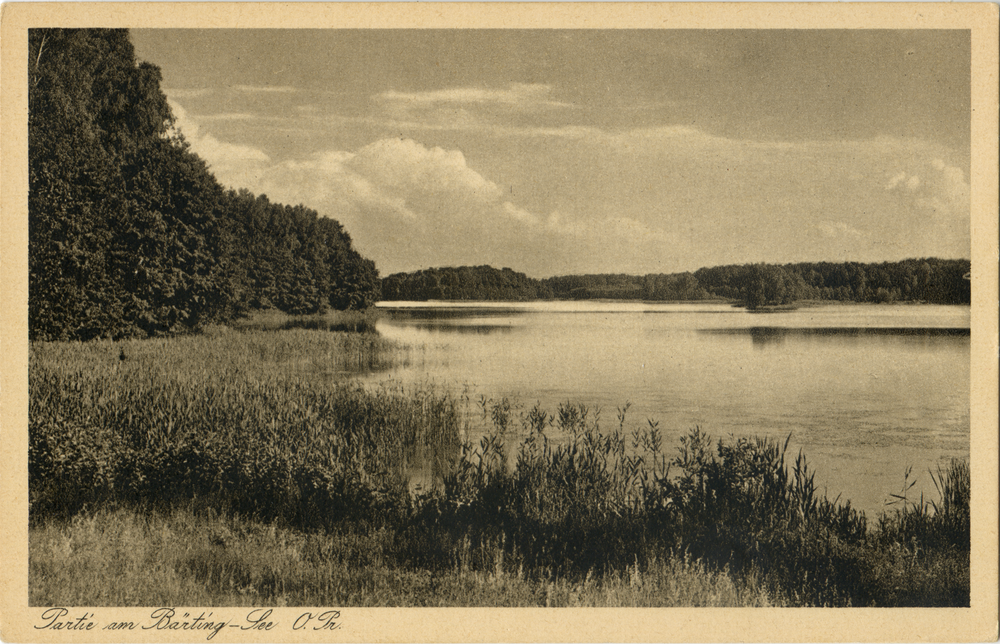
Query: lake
{"points": [[864, 390]]}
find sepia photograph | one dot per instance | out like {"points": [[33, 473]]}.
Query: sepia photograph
{"points": [[325, 314]]}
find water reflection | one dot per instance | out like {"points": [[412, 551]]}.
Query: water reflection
{"points": [[770, 336], [765, 336], [865, 390], [450, 313], [462, 329], [767, 331]]}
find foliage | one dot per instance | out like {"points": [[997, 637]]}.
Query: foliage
{"points": [[122, 218], [931, 280], [754, 285], [591, 505], [293, 260], [243, 419], [652, 287], [130, 235], [483, 283]]}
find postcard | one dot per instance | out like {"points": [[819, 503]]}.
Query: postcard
{"points": [[499, 322]]}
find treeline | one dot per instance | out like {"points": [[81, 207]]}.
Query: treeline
{"points": [[130, 234], [655, 287], [464, 283], [938, 281], [296, 261]]}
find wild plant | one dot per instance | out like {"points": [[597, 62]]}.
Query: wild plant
{"points": [[240, 422], [919, 524], [235, 421]]}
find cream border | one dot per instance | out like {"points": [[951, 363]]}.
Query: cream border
{"points": [[978, 623]]}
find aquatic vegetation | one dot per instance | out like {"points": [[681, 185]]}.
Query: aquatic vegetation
{"points": [[262, 428], [599, 502], [241, 418], [349, 321]]}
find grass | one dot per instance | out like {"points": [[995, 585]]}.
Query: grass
{"points": [[246, 418], [346, 321], [192, 556], [241, 467]]}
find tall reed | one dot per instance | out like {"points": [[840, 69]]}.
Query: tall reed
{"points": [[262, 426], [243, 419]]}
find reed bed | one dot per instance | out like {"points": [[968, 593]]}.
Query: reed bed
{"points": [[241, 418], [352, 321], [259, 428], [602, 502]]}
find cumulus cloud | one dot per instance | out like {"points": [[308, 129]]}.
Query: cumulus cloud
{"points": [[909, 182], [520, 214], [937, 196], [405, 167], [208, 147], [671, 197], [896, 179], [407, 204], [939, 188]]}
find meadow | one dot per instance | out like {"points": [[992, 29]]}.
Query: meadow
{"points": [[243, 466]]}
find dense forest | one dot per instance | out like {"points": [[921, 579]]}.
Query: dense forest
{"points": [[929, 280], [129, 232], [753, 285], [678, 286], [464, 283]]}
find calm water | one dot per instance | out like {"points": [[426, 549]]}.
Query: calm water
{"points": [[865, 391]]}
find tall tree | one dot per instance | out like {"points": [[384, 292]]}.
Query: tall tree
{"points": [[129, 232], [121, 214]]}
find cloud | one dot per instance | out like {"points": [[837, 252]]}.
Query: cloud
{"points": [[264, 89], [895, 181], [936, 197], [186, 93], [406, 204], [520, 96], [939, 188], [405, 167], [215, 152], [946, 192], [409, 205], [234, 116], [909, 182], [672, 197], [491, 110], [520, 214]]}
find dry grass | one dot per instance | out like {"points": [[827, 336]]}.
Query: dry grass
{"points": [[195, 558]]}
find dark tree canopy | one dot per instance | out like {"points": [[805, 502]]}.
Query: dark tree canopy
{"points": [[937, 281], [755, 286], [463, 283], [291, 259], [652, 287], [129, 232]]}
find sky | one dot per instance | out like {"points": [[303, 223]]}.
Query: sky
{"points": [[559, 152]]}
